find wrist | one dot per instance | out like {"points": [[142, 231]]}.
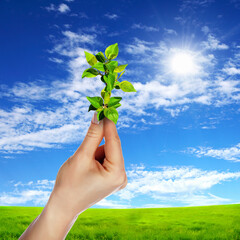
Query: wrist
{"points": [[56, 219]]}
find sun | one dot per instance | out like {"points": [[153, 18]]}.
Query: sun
{"points": [[183, 63]]}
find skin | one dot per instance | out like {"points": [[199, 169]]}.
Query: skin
{"points": [[89, 175]]}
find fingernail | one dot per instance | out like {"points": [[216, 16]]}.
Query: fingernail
{"points": [[94, 118]]}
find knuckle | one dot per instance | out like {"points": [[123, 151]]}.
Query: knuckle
{"points": [[120, 178], [91, 133]]}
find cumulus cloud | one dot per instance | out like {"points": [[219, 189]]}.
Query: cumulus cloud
{"points": [[231, 153], [214, 44], [36, 193], [232, 67], [29, 122], [181, 185], [163, 187]]}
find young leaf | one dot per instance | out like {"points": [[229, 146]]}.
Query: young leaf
{"points": [[117, 105], [111, 51], [100, 57], [120, 68], [91, 107], [100, 109], [110, 82], [127, 86], [121, 74], [99, 66], [106, 96], [113, 101], [112, 65], [100, 115], [89, 73], [111, 113], [97, 102], [91, 59]]}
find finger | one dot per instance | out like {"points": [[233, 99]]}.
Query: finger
{"points": [[112, 146], [92, 139], [100, 154]]}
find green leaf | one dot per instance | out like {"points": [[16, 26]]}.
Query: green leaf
{"points": [[111, 51], [113, 101], [111, 113], [97, 102], [99, 66], [89, 73], [117, 105], [100, 57], [116, 84], [121, 74], [120, 68], [91, 107], [112, 65], [127, 86], [100, 115], [116, 75], [106, 96], [91, 59], [110, 82]]}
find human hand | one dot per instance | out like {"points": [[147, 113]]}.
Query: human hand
{"points": [[88, 176], [93, 172]]}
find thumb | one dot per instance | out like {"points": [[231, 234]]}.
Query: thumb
{"points": [[93, 138]]}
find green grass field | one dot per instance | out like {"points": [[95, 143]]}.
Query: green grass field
{"points": [[212, 222]]}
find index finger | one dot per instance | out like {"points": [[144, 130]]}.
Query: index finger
{"points": [[112, 147]]}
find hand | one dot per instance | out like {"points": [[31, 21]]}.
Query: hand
{"points": [[90, 174], [93, 172]]}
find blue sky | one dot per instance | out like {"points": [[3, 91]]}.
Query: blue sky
{"points": [[179, 131]]}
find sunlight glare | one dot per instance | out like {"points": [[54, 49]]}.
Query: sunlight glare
{"points": [[182, 63]]}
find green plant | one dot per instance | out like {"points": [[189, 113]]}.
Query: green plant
{"points": [[110, 73]]}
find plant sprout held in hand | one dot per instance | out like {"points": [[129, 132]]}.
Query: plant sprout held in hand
{"points": [[110, 73]]}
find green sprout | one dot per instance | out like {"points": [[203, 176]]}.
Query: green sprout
{"points": [[110, 73]]}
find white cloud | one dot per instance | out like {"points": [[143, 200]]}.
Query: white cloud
{"points": [[231, 153], [79, 38], [205, 30], [56, 60], [162, 187], [232, 67], [214, 44], [62, 8], [138, 47], [31, 192], [175, 112], [176, 185], [232, 70], [144, 27], [105, 203], [170, 31], [112, 16], [28, 124]]}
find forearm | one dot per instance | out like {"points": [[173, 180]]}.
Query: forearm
{"points": [[54, 222]]}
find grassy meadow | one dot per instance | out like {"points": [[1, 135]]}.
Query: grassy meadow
{"points": [[211, 222]]}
